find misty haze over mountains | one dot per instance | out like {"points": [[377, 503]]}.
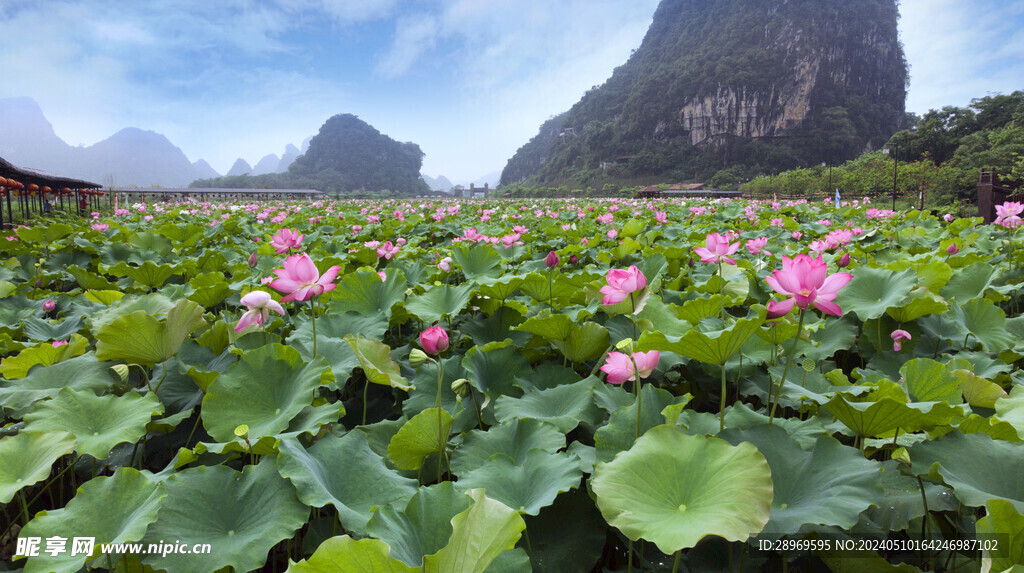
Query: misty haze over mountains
{"points": [[132, 156]]}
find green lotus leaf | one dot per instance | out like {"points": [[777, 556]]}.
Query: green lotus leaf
{"points": [[78, 373], [342, 553], [903, 502], [181, 234], [42, 354], [375, 359], [526, 484], [104, 297], [210, 289], [829, 485], [542, 287], [873, 290], [986, 322], [711, 348], [422, 526], [365, 483], [501, 288], [1003, 524], [674, 489], [567, 536], [969, 283], [28, 457], [331, 330], [621, 430], [586, 341], [98, 422], [479, 535], [364, 293], [997, 429], [439, 302], [242, 516], [478, 262], [929, 381], [265, 389], [977, 467], [419, 437], [978, 391], [915, 308], [423, 394], [110, 509], [1010, 409], [563, 406], [41, 330], [513, 438], [492, 368], [512, 561], [143, 339], [885, 415], [146, 241], [44, 234], [550, 326]]}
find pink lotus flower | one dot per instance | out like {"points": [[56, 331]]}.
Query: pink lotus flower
{"points": [[661, 217], [387, 250], [59, 343], [717, 250], [445, 264], [383, 276], [605, 219], [612, 233], [622, 283], [806, 282], [259, 304], [301, 279], [285, 240], [49, 305], [898, 336], [434, 340], [619, 366], [551, 260], [948, 218], [100, 227], [796, 235], [755, 246]]}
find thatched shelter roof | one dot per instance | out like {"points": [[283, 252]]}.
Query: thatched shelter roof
{"points": [[28, 176]]}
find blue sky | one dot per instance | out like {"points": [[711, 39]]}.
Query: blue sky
{"points": [[470, 81]]}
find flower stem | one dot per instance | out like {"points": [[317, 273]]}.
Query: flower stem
{"points": [[366, 390], [789, 362], [639, 396], [312, 312], [440, 437], [721, 408], [675, 562]]}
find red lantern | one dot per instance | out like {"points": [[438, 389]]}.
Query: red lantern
{"points": [[32, 188], [46, 190]]}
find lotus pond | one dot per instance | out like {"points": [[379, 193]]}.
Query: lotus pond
{"points": [[563, 385]]}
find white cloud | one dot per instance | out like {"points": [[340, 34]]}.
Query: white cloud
{"points": [[961, 50]]}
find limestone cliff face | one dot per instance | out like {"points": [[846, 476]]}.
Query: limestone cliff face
{"points": [[764, 84]]}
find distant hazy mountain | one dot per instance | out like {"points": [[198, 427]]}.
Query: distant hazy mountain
{"points": [[241, 167], [268, 164], [439, 184], [290, 154], [131, 156], [204, 170], [490, 179]]}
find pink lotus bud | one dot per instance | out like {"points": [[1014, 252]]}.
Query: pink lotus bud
{"points": [[551, 260], [573, 259], [434, 340], [952, 249], [948, 218], [252, 259], [49, 305], [844, 260]]}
